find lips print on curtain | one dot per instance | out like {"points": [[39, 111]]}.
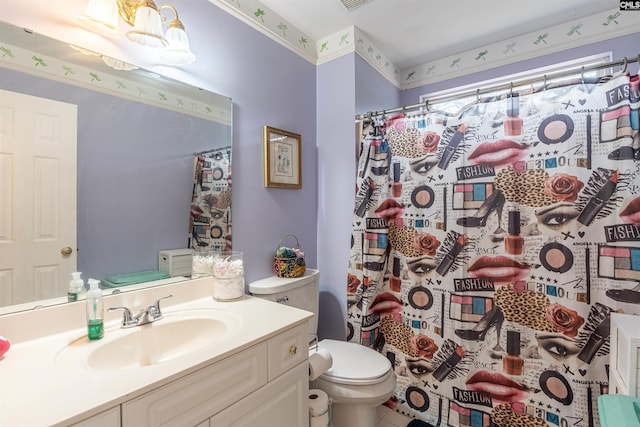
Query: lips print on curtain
{"points": [[489, 249]]}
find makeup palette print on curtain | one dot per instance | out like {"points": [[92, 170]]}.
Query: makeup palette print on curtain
{"points": [[490, 247]]}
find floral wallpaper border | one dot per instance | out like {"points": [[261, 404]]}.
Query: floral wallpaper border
{"points": [[45, 66], [575, 33]]}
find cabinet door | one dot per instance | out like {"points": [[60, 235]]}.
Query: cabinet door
{"points": [[197, 396], [281, 403], [288, 349], [108, 418]]}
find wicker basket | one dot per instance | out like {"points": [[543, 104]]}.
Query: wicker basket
{"points": [[289, 267]]}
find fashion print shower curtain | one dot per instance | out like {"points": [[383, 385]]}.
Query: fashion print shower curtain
{"points": [[490, 247], [210, 220]]}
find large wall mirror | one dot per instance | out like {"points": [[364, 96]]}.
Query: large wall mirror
{"points": [[134, 179]]}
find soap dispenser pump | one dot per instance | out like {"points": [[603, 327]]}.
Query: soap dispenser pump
{"points": [[95, 311], [76, 286]]}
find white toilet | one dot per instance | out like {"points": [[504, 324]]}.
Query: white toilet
{"points": [[360, 379]]}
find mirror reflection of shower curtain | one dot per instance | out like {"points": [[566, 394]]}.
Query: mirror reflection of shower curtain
{"points": [[210, 221], [490, 246]]}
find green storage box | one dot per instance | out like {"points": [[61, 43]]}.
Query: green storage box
{"points": [[618, 410], [133, 278]]}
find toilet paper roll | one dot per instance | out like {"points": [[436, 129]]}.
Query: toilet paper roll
{"points": [[320, 361], [318, 408], [321, 421]]}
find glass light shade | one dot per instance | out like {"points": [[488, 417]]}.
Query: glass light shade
{"points": [[147, 28], [101, 16], [178, 51]]}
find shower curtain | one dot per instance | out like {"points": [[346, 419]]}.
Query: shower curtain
{"points": [[490, 247], [210, 220]]}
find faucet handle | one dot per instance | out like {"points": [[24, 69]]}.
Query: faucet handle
{"points": [[127, 318], [154, 311]]}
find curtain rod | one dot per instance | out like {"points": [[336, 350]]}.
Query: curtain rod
{"points": [[571, 71], [212, 150]]}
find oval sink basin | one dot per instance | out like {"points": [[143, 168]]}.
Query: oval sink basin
{"points": [[176, 335]]}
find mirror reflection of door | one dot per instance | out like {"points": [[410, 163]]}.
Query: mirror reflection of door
{"points": [[37, 197]]}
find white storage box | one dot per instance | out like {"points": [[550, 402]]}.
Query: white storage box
{"points": [[175, 262]]}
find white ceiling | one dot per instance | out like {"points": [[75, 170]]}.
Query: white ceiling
{"points": [[413, 32]]}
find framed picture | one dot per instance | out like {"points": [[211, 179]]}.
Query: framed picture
{"points": [[282, 158]]}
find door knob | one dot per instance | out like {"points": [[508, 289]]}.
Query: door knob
{"points": [[66, 251]]}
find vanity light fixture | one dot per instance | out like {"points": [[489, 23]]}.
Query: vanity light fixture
{"points": [[144, 16]]}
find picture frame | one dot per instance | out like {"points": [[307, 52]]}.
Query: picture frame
{"points": [[282, 158]]}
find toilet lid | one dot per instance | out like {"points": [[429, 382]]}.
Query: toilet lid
{"points": [[354, 363]]}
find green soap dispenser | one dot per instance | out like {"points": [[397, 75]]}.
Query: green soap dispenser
{"points": [[95, 311]]}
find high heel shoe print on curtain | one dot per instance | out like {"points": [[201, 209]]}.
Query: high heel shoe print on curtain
{"points": [[491, 318], [495, 202]]}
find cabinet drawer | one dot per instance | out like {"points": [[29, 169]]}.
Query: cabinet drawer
{"points": [[197, 396], [108, 418], [288, 349]]}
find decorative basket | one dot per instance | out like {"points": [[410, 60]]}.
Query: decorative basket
{"points": [[289, 262]]}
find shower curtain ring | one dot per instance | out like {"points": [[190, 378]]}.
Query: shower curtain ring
{"points": [[426, 105], [511, 89], [626, 64], [582, 75], [478, 95], [544, 84]]}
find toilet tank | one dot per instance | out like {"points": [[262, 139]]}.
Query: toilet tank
{"points": [[300, 292]]}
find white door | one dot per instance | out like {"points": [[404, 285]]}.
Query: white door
{"points": [[37, 197]]}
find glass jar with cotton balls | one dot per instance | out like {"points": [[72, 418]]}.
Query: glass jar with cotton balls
{"points": [[228, 275]]}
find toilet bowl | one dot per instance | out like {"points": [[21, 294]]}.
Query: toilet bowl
{"points": [[360, 380]]}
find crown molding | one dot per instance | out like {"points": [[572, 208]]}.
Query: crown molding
{"points": [[575, 33], [261, 18]]}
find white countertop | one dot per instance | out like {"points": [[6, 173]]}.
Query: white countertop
{"points": [[34, 391]]}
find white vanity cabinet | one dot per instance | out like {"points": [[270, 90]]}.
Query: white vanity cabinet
{"points": [[265, 384], [254, 374], [108, 418]]}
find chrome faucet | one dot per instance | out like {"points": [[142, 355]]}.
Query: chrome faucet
{"points": [[146, 315]]}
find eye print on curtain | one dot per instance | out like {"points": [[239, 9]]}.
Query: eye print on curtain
{"points": [[489, 249]]}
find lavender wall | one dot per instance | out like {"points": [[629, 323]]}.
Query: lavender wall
{"points": [[269, 85], [272, 86], [373, 91], [336, 185], [340, 96]]}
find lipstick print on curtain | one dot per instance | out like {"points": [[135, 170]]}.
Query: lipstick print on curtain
{"points": [[490, 247]]}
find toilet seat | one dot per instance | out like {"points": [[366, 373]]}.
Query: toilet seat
{"points": [[355, 364]]}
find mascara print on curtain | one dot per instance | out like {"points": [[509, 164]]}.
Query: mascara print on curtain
{"points": [[489, 249]]}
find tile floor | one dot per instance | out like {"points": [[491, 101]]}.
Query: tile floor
{"points": [[390, 418]]}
